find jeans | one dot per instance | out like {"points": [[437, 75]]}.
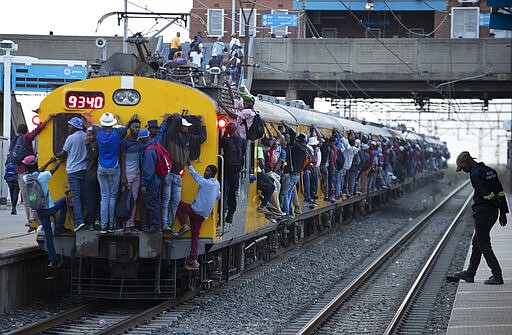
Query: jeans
{"points": [[340, 181], [482, 244], [151, 202], [307, 185], [134, 184], [109, 185], [92, 201], [324, 180], [285, 180], [288, 193], [351, 180], [44, 218], [196, 221], [76, 182], [171, 196]]}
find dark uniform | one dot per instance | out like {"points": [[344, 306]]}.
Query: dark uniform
{"points": [[488, 199]]}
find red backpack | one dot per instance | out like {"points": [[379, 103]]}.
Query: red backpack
{"points": [[163, 160]]}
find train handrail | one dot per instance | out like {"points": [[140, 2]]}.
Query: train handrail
{"points": [[221, 220]]}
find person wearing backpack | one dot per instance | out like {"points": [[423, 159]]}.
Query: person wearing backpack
{"points": [[49, 208], [244, 117], [182, 146], [75, 154], [26, 137], [234, 148], [150, 181], [11, 178]]}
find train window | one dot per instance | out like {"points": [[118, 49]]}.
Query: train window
{"points": [[60, 130]]}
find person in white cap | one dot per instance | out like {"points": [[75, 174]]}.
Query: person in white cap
{"points": [[182, 147], [75, 154], [109, 172]]}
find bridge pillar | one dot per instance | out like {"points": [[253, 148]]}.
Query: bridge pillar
{"points": [[291, 95]]}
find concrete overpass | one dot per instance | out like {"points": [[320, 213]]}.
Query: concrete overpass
{"points": [[362, 68], [341, 68]]}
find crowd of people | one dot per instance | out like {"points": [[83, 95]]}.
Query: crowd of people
{"points": [[339, 164], [148, 163]]}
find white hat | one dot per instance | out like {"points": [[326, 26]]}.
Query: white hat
{"points": [[313, 141], [365, 146], [108, 120], [185, 123], [358, 142]]}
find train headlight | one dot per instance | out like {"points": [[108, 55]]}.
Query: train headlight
{"points": [[125, 97]]}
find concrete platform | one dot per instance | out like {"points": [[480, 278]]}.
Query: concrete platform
{"points": [[486, 309], [13, 233]]}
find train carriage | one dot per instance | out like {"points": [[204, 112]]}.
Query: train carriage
{"points": [[135, 264]]}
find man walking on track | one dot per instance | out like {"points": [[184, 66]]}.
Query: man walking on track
{"points": [[488, 200]]}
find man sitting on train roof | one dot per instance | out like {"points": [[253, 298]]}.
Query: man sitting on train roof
{"points": [[182, 146], [245, 115], [50, 208]]}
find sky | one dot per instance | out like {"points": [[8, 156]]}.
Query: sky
{"points": [[72, 17]]}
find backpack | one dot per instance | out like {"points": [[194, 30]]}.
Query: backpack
{"points": [[234, 153], [124, 205], [36, 197], [340, 160], [18, 150], [10, 175], [257, 129], [163, 160], [232, 63]]}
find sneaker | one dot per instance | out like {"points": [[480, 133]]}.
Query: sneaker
{"points": [[184, 229], [494, 281], [103, 231], [314, 197], [297, 211], [13, 212], [464, 275], [278, 212], [166, 227], [193, 265], [57, 263], [272, 220], [80, 226], [264, 210]]}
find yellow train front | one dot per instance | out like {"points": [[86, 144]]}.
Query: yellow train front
{"points": [[127, 264]]}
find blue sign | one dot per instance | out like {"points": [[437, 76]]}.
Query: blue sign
{"points": [[273, 20], [484, 19], [44, 78], [1, 77]]}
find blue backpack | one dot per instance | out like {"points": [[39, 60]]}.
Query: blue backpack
{"points": [[18, 150], [10, 175]]}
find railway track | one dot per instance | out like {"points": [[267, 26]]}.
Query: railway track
{"points": [[377, 300], [102, 317]]}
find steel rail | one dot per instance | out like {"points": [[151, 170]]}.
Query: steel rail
{"points": [[423, 274], [329, 308], [46, 324]]}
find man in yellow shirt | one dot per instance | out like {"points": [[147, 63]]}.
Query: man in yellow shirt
{"points": [[175, 46]]}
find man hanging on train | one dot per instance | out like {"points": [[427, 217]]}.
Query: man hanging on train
{"points": [[182, 146]]}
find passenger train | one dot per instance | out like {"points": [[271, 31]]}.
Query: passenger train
{"points": [[135, 264]]}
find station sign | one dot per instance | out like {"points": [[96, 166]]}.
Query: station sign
{"points": [[484, 19], [44, 78], [275, 20]]}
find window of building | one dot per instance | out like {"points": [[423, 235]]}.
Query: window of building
{"points": [[279, 30], [252, 22], [215, 22], [465, 22]]}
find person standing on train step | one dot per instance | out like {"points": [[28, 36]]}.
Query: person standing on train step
{"points": [[75, 154], [182, 146], [51, 208], [244, 117], [27, 138], [109, 139], [92, 186], [299, 154], [207, 194], [150, 182], [488, 201], [233, 148], [131, 152]]}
